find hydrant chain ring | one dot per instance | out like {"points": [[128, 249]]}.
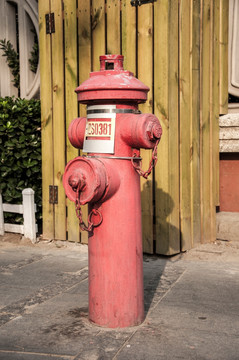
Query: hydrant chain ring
{"points": [[79, 215], [152, 163]]}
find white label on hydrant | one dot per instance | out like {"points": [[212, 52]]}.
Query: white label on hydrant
{"points": [[100, 129]]}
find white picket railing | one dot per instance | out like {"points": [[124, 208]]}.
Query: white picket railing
{"points": [[28, 209]]}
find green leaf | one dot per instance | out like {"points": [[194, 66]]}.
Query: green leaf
{"points": [[2, 185], [21, 183]]}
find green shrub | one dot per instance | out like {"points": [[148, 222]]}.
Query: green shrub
{"points": [[20, 150]]}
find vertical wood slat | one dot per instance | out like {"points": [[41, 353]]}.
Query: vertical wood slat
{"points": [[71, 106], [163, 202], [205, 120], [84, 66], [145, 31], [212, 174], [195, 121], [58, 118], [166, 105], [215, 114], [223, 56], [174, 229], [129, 36], [46, 121], [113, 27], [84, 41], [184, 115], [98, 32]]}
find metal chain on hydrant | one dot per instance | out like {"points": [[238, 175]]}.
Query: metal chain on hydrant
{"points": [[152, 163], [94, 212]]}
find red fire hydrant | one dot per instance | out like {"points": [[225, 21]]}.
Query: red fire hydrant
{"points": [[108, 179]]}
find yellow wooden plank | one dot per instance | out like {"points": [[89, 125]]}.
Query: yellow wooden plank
{"points": [[223, 56], [184, 106], [195, 121], [212, 120], [166, 108], [174, 228], [113, 27], [166, 105], [84, 36], [71, 106], [215, 115], [145, 74], [163, 201], [205, 120], [46, 120], [58, 118], [98, 32], [129, 35]]}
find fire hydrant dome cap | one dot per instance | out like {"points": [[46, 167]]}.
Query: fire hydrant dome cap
{"points": [[112, 82]]}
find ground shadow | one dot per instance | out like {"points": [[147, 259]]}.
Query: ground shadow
{"points": [[153, 271], [154, 265]]}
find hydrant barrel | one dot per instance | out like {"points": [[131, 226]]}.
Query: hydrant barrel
{"points": [[116, 296], [107, 178]]}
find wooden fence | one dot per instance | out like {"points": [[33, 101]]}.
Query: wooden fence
{"points": [[178, 49]]}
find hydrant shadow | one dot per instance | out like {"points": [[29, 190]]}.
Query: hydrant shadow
{"points": [[155, 271]]}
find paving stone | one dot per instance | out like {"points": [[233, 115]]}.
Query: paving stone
{"points": [[191, 308]]}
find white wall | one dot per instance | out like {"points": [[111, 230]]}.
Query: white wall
{"points": [[27, 19]]}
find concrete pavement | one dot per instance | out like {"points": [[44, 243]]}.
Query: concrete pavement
{"points": [[191, 305]]}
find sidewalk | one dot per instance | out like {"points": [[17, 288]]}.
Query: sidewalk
{"points": [[191, 305]]}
